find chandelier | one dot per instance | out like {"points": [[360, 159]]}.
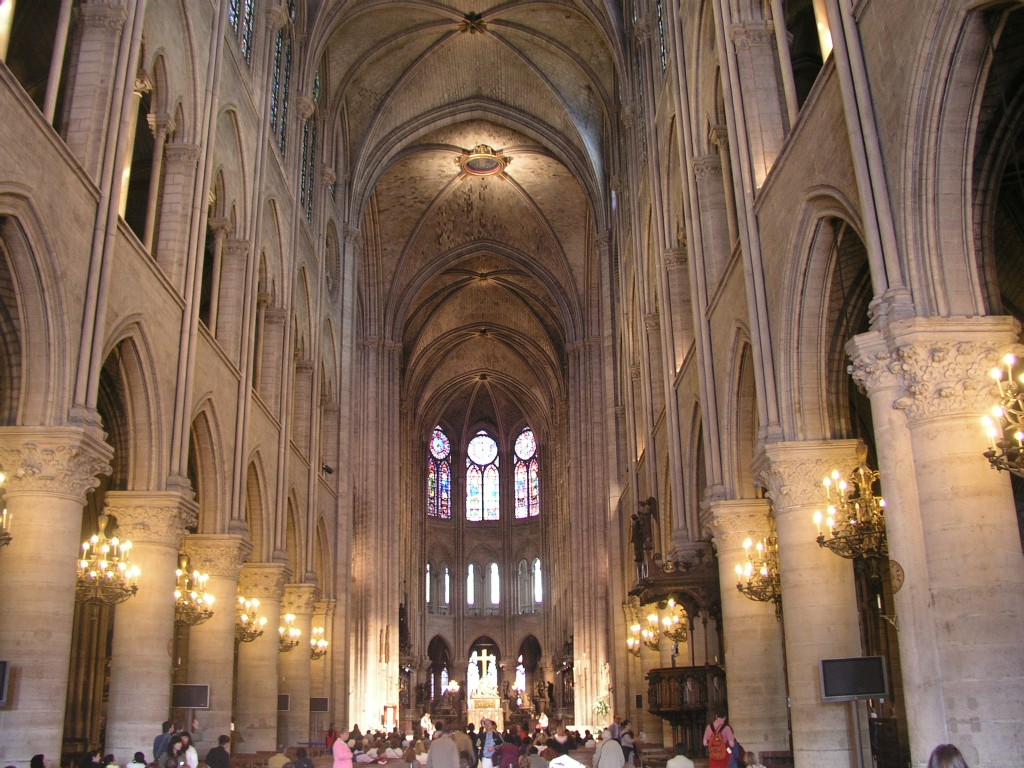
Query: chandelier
{"points": [[674, 624], [317, 643], [192, 603], [248, 623], [856, 517], [633, 639], [1005, 426], [289, 633], [759, 578], [649, 634], [105, 571]]}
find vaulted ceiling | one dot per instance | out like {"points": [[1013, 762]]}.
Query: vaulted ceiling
{"points": [[484, 280]]}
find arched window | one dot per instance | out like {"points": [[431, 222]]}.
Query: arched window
{"points": [[240, 16], [482, 478], [282, 80], [307, 169], [447, 576], [494, 584], [471, 585], [538, 584], [439, 476], [428, 586], [527, 476]]}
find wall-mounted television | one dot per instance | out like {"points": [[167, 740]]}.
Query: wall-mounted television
{"points": [[190, 696]]}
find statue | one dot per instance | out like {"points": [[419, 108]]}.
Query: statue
{"points": [[648, 517], [472, 675], [636, 537]]}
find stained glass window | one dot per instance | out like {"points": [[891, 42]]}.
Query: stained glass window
{"points": [[526, 476], [307, 171], [439, 476], [482, 491], [495, 584], [661, 37], [470, 586], [240, 16], [428, 583], [538, 584], [280, 86]]}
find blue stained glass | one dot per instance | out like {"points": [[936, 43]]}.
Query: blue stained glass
{"points": [[275, 88], [534, 488], [491, 509], [446, 491], [291, 9], [233, 16], [661, 37], [522, 497], [431, 489], [246, 36], [316, 88], [303, 166], [284, 94], [311, 176], [474, 493]]}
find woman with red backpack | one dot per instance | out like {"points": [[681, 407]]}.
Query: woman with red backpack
{"points": [[719, 742]]}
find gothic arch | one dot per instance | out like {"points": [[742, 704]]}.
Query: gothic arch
{"points": [[206, 446], [256, 513]]}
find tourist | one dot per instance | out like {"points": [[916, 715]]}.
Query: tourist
{"points": [[946, 756]]}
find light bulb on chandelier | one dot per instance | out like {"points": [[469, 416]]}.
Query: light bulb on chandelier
{"points": [[105, 571], [192, 603]]}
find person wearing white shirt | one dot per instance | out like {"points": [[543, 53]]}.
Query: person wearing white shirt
{"points": [[680, 760], [189, 750]]}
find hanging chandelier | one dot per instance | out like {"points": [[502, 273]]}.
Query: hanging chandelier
{"points": [[674, 623], [105, 571], [289, 634], [633, 639], [192, 603], [855, 515], [317, 643], [1005, 425], [649, 635], [759, 578], [248, 623]]}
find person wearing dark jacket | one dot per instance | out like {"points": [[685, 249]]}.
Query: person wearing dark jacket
{"points": [[218, 756]]}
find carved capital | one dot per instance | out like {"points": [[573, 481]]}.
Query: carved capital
{"points": [[328, 175], [275, 315], [220, 555], [873, 366], [707, 166], [628, 116], [277, 16], [642, 30], [634, 371], [675, 258], [752, 35], [946, 378], [731, 522], [791, 472], [299, 599], [719, 135], [160, 125], [221, 227], [305, 106], [53, 461], [262, 580], [353, 238], [235, 248], [652, 322], [615, 184], [152, 518], [101, 16], [604, 240], [184, 155]]}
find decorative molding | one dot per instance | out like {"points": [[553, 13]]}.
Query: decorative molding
{"points": [[236, 248], [731, 522], [353, 237], [652, 322], [57, 461], [160, 125], [152, 518], [719, 135], [182, 154], [642, 30], [791, 472], [675, 258], [262, 580], [473, 23], [277, 16], [753, 34], [305, 106], [102, 16], [946, 378], [299, 599], [328, 175], [220, 555], [634, 371], [628, 115], [707, 166], [275, 315]]}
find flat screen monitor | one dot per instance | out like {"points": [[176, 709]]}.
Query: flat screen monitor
{"points": [[862, 677], [190, 696], [319, 704], [5, 674]]}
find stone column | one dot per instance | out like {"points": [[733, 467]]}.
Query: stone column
{"points": [[680, 304], [818, 592], [97, 50], [232, 298], [212, 643], [320, 678], [299, 599], [753, 633], [140, 665], [714, 216], [952, 527], [180, 164], [256, 689], [49, 472]]}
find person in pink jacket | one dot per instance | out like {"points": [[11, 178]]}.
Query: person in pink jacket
{"points": [[341, 751]]}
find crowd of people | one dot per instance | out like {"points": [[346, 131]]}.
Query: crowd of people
{"points": [[442, 747]]}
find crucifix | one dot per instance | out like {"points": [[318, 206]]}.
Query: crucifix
{"points": [[485, 658]]}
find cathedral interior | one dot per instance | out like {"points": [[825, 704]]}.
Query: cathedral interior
{"points": [[363, 360]]}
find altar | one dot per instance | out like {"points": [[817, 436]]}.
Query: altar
{"points": [[482, 690]]}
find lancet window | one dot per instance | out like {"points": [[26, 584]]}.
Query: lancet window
{"points": [[527, 476], [439, 476], [482, 494]]}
